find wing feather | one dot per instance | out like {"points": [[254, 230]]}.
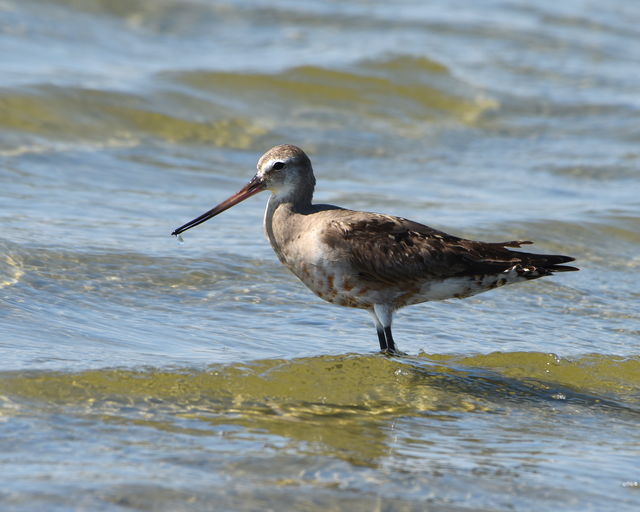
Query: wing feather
{"points": [[393, 250]]}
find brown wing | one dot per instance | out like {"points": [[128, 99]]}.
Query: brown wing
{"points": [[394, 250]]}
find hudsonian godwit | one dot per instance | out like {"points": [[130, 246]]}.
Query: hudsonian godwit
{"points": [[372, 261]]}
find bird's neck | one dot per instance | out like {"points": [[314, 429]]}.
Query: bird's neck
{"points": [[279, 219]]}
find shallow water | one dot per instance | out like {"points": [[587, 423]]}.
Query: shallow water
{"points": [[138, 373]]}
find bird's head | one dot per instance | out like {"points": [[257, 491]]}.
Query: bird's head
{"points": [[285, 170]]}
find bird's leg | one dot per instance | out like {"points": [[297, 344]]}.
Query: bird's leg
{"points": [[382, 315], [381, 338], [380, 330], [391, 346]]}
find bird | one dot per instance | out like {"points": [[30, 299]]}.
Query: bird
{"points": [[372, 261]]}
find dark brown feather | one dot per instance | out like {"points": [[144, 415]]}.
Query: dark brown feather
{"points": [[394, 250]]}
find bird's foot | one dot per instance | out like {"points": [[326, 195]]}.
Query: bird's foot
{"points": [[393, 352]]}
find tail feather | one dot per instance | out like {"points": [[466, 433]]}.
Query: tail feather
{"points": [[544, 264], [562, 268], [547, 262]]}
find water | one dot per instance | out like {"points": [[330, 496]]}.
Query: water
{"points": [[138, 373]]}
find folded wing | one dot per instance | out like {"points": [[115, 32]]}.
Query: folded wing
{"points": [[393, 250]]}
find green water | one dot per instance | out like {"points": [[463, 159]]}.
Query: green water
{"points": [[140, 374], [332, 431]]}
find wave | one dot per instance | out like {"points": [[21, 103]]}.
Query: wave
{"points": [[219, 108], [49, 118], [350, 385], [311, 399], [413, 87]]}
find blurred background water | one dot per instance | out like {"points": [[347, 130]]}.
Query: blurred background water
{"points": [[136, 374]]}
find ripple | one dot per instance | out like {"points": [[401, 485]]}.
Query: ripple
{"points": [[346, 386], [87, 116], [11, 270], [416, 87]]}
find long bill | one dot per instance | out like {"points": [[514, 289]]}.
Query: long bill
{"points": [[256, 185]]}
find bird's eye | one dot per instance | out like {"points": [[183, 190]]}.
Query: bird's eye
{"points": [[277, 166]]}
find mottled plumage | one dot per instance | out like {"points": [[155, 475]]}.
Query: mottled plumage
{"points": [[372, 261]]}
